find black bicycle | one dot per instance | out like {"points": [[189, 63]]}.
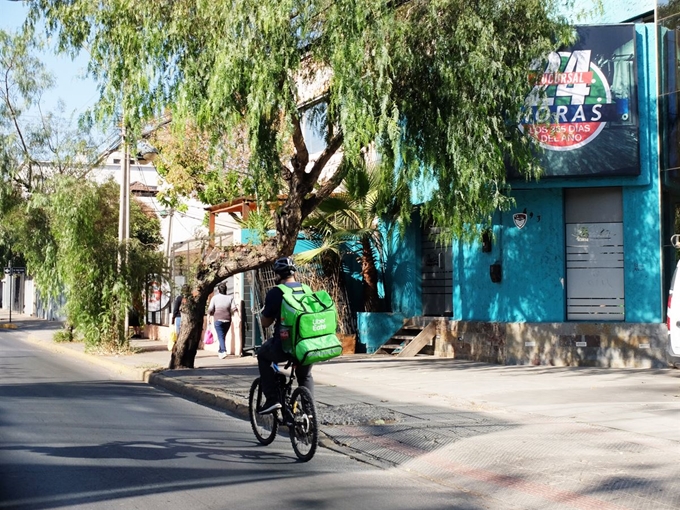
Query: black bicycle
{"points": [[298, 413]]}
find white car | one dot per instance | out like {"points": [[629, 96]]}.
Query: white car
{"points": [[673, 315]]}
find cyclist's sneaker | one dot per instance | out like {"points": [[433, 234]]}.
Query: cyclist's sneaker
{"points": [[269, 407]]}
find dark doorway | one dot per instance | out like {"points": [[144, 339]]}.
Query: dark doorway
{"points": [[437, 274]]}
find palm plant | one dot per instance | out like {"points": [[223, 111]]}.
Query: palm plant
{"points": [[348, 223]]}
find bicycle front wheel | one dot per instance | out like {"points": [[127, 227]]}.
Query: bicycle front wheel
{"points": [[264, 426], [304, 433]]}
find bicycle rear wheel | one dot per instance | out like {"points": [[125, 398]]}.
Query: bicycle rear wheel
{"points": [[264, 426], [304, 433]]}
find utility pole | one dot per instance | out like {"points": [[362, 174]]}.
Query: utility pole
{"points": [[168, 245], [169, 239], [124, 211], [11, 284]]}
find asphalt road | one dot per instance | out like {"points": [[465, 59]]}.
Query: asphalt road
{"points": [[75, 436]]}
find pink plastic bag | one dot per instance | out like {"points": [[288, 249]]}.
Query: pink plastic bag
{"points": [[208, 337]]}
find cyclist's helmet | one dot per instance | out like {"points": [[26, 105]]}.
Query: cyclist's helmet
{"points": [[284, 267]]}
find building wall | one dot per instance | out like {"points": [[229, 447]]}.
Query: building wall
{"points": [[642, 219], [532, 265], [403, 278], [533, 257], [522, 319]]}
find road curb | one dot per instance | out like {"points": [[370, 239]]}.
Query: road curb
{"points": [[137, 374], [200, 395]]}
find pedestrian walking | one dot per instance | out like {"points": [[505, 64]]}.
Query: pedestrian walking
{"points": [[176, 314], [220, 309]]}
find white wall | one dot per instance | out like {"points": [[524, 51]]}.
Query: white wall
{"points": [[185, 225]]}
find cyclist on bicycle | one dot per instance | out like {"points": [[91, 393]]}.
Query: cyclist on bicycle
{"points": [[272, 351]]}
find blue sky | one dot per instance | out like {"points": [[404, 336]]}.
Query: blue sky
{"points": [[71, 87]]}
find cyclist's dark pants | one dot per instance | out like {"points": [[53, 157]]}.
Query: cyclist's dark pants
{"points": [[271, 351]]}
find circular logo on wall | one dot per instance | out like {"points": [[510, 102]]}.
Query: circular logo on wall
{"points": [[570, 103], [157, 293]]}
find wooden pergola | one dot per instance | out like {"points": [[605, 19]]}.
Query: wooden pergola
{"points": [[240, 205]]}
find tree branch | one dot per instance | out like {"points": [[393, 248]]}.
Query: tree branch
{"points": [[20, 133], [310, 203], [301, 158]]}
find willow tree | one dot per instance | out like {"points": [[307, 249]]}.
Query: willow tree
{"points": [[59, 224], [68, 235], [35, 144], [434, 85]]}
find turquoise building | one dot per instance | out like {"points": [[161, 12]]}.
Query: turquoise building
{"points": [[578, 272]]}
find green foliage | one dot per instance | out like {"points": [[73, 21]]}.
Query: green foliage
{"points": [[435, 84], [210, 168], [145, 227], [355, 222], [220, 187], [257, 221], [34, 145], [460, 133], [70, 240], [348, 216], [62, 226], [63, 336], [23, 78]]}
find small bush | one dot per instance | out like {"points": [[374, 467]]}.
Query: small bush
{"points": [[64, 335]]}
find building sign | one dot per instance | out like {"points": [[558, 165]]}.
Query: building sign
{"points": [[158, 293], [582, 110], [520, 219]]}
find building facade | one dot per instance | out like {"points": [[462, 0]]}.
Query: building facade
{"points": [[577, 273]]}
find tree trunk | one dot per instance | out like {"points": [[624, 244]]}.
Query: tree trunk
{"points": [[369, 274], [221, 263], [217, 266], [190, 330]]}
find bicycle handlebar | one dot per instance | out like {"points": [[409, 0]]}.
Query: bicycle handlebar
{"points": [[289, 363]]}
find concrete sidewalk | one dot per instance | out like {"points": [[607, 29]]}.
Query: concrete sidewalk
{"points": [[520, 437]]}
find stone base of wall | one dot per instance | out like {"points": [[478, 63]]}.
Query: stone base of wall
{"points": [[615, 345], [478, 341], [155, 332]]}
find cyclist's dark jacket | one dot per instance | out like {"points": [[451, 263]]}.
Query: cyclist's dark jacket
{"points": [[272, 305]]}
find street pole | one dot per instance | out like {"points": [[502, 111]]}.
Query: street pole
{"points": [[167, 252], [11, 284], [124, 211], [169, 239], [123, 219]]}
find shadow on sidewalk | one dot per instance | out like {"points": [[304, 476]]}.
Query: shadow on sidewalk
{"points": [[450, 364]]}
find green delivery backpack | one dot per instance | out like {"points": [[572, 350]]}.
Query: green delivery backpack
{"points": [[308, 325]]}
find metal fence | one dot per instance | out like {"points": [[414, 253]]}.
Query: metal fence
{"points": [[186, 256], [257, 284]]}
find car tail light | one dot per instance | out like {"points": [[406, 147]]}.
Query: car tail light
{"points": [[668, 312]]}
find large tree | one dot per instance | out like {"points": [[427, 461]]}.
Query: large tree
{"points": [[69, 238], [35, 144], [436, 85], [201, 165]]}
